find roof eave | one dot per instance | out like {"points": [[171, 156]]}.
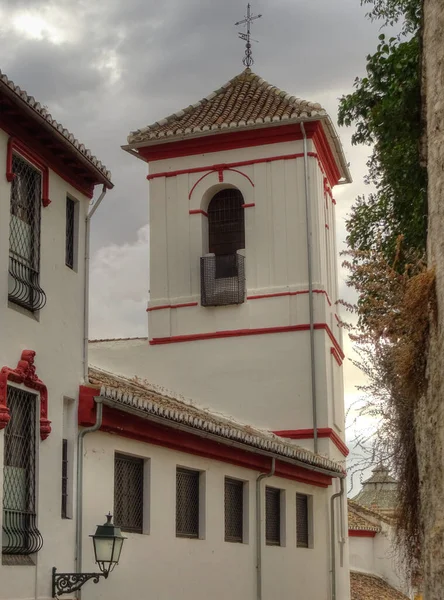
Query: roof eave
{"points": [[132, 148], [98, 175]]}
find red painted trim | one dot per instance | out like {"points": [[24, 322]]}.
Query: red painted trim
{"points": [[244, 139], [229, 166], [326, 155], [327, 226], [334, 201], [15, 145], [163, 306], [278, 294], [244, 332], [251, 205], [226, 141], [24, 373], [143, 430], [47, 161], [308, 434], [361, 533], [336, 356], [197, 182], [198, 212]]}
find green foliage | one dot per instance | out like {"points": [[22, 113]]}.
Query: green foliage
{"points": [[386, 111]]}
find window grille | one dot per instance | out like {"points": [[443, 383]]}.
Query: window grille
{"points": [[64, 479], [234, 510], [301, 521], [187, 503], [226, 224], [70, 232], [222, 291], [24, 236], [272, 516], [128, 493], [20, 533]]}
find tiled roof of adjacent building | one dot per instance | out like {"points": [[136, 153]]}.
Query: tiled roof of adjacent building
{"points": [[247, 101], [368, 514], [370, 587], [139, 396], [381, 474], [358, 521], [43, 113]]}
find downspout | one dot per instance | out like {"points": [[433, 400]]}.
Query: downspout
{"points": [[79, 492], [93, 209], [310, 291], [339, 494], [259, 528]]}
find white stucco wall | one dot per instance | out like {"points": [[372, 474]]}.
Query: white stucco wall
{"points": [[56, 335], [378, 556], [160, 566]]}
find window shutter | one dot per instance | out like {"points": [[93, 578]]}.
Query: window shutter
{"points": [[301, 521], [128, 493], [273, 516], [187, 503], [234, 510], [70, 230]]}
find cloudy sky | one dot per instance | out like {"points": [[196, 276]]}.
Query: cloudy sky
{"points": [[106, 67]]}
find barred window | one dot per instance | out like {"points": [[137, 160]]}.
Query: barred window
{"points": [[302, 522], [234, 510], [24, 236], [20, 534], [272, 516], [70, 232], [226, 228], [128, 493], [187, 503], [64, 479]]}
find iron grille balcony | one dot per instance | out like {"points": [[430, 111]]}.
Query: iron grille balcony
{"points": [[222, 279]]}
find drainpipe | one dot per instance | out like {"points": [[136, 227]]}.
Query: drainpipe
{"points": [[79, 500], [310, 291], [93, 209], [339, 494], [259, 528]]}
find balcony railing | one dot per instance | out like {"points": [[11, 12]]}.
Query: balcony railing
{"points": [[222, 279]]}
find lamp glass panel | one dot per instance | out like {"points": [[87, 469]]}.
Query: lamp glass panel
{"points": [[103, 548], [118, 543]]}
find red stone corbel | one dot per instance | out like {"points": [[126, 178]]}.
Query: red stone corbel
{"points": [[24, 373]]}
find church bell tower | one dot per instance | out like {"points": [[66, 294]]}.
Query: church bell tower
{"points": [[243, 276]]}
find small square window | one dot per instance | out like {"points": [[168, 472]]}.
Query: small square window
{"points": [[234, 510], [128, 493], [302, 521], [187, 503], [272, 516]]}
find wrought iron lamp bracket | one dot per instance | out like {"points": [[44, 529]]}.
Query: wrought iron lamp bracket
{"points": [[67, 583]]}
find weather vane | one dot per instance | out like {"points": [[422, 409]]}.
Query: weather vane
{"points": [[246, 37]]}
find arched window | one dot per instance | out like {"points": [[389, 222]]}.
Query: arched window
{"points": [[226, 224], [223, 275]]}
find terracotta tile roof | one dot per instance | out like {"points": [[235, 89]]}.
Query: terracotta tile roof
{"points": [[139, 396], [244, 101], [367, 513], [381, 474], [358, 522], [22, 96], [370, 587]]}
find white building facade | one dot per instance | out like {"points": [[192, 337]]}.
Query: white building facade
{"points": [[46, 185], [242, 320]]}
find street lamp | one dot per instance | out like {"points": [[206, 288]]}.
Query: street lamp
{"points": [[107, 542]]}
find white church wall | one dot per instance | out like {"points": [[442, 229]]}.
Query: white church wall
{"points": [[159, 565], [55, 333]]}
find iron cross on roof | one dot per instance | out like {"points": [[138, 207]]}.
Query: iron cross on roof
{"points": [[246, 37]]}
